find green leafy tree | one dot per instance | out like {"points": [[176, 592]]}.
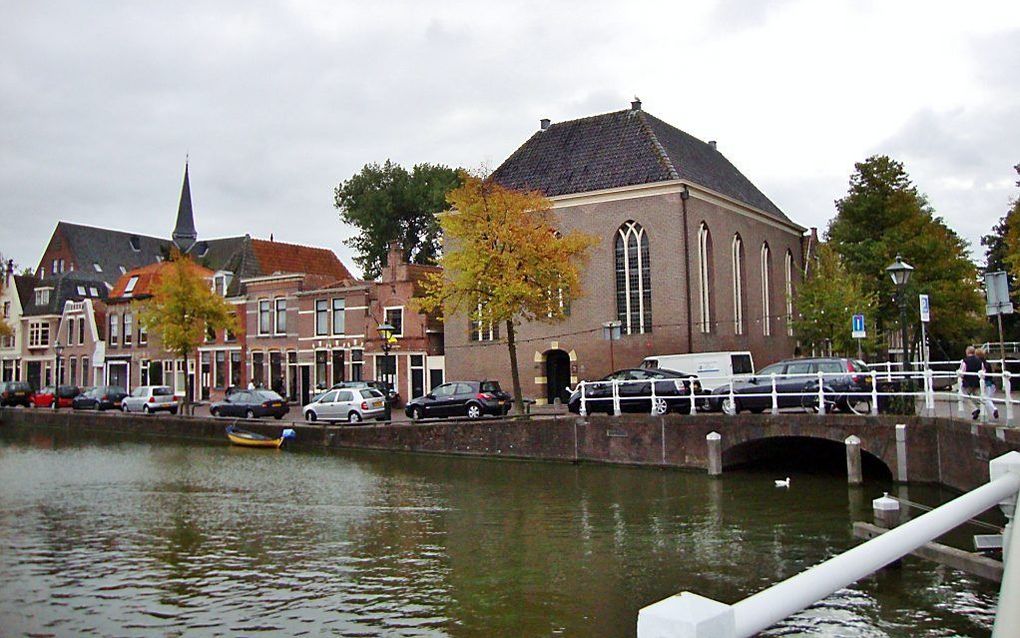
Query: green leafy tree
{"points": [[884, 215], [505, 262], [1002, 252], [182, 307], [387, 203], [827, 300]]}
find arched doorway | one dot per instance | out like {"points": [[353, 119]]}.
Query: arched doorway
{"points": [[557, 376]]}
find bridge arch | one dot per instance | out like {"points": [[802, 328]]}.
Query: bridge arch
{"points": [[800, 452]]}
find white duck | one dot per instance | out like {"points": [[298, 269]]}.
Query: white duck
{"points": [[783, 482]]}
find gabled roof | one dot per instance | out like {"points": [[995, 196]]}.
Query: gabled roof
{"points": [[148, 277], [278, 257], [111, 249], [623, 148], [70, 286]]}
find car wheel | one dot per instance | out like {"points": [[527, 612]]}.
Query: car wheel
{"points": [[417, 414], [661, 407], [810, 402], [173, 411], [354, 417], [310, 416], [277, 416], [98, 407], [145, 409], [250, 414], [474, 411], [124, 408], [858, 405], [215, 412], [730, 406]]}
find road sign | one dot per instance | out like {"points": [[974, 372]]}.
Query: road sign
{"points": [[997, 294], [925, 308], [857, 330]]}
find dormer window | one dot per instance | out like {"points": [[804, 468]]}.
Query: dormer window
{"points": [[42, 296], [130, 285], [93, 292], [136, 243], [203, 249], [96, 265], [81, 291], [123, 270]]}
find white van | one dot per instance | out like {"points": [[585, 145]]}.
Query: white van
{"points": [[713, 368]]}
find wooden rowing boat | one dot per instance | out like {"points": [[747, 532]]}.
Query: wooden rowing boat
{"points": [[237, 436]]}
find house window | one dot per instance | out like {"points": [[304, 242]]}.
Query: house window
{"points": [[70, 332], [482, 327], [81, 291], [97, 266], [766, 290], [395, 317], [235, 368], [338, 366], [143, 372], [114, 329], [633, 279], [210, 334], [85, 371], [72, 370], [42, 296], [129, 288], [357, 363], [789, 293], [81, 330], [229, 335], [386, 369], [220, 285], [258, 368], [220, 373], [281, 316], [7, 310], [321, 378], [321, 317], [129, 328], [265, 316], [738, 285], [339, 316], [704, 278], [143, 334], [38, 334]]}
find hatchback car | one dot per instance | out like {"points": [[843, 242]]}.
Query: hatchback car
{"points": [[149, 399], [846, 387], [347, 404], [59, 397], [103, 397], [673, 392], [472, 399], [251, 404], [15, 393]]}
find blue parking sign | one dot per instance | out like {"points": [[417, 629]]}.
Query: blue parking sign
{"points": [[857, 330]]}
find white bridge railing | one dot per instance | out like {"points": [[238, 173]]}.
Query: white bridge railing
{"points": [[687, 615]]}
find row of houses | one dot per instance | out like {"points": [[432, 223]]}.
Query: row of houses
{"points": [[692, 257]]}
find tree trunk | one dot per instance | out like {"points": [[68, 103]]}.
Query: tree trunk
{"points": [[515, 374], [187, 388]]}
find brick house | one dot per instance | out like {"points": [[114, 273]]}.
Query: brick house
{"points": [[692, 256]]}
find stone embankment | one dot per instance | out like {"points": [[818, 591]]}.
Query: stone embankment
{"points": [[922, 449]]}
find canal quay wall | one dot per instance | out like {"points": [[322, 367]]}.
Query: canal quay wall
{"points": [[922, 449]]}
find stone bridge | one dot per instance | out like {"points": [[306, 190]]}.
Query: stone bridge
{"points": [[921, 449]]}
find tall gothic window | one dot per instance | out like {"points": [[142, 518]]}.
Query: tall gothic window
{"points": [[737, 254], [704, 275], [789, 293], [633, 279], [766, 290]]}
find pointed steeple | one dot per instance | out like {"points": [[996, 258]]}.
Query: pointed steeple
{"points": [[185, 234]]}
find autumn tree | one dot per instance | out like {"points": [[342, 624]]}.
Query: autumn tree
{"points": [[826, 300], [505, 262], [387, 203], [182, 308], [884, 215]]}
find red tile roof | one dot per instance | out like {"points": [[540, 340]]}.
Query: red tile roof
{"points": [[148, 276], [279, 257]]}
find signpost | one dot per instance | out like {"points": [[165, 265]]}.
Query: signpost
{"points": [[997, 303], [857, 331], [925, 318]]}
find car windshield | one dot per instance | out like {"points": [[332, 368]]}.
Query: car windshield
{"points": [[491, 386]]}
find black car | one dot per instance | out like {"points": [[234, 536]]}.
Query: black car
{"points": [[472, 399], [673, 392], [846, 387], [15, 393], [251, 404], [102, 397]]}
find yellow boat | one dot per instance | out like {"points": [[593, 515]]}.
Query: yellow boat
{"points": [[237, 436]]}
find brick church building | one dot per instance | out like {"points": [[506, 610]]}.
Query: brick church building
{"points": [[692, 256]]}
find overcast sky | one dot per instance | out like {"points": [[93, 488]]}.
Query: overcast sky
{"points": [[277, 102]]}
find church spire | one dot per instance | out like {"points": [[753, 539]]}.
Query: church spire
{"points": [[184, 233]]}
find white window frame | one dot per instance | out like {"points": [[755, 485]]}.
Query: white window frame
{"points": [[315, 313], [737, 255], [789, 293], [266, 328], [127, 338], [386, 318], [132, 282], [623, 234], [704, 282], [276, 315], [334, 312], [766, 290], [114, 330]]}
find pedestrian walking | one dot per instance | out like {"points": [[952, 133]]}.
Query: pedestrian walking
{"points": [[251, 385], [989, 388], [970, 382]]}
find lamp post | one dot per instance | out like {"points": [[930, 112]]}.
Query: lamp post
{"points": [[900, 272], [386, 334], [59, 349]]}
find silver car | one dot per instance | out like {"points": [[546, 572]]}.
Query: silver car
{"points": [[347, 404], [150, 399]]}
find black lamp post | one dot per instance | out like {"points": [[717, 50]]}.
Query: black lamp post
{"points": [[386, 334], [59, 349], [900, 272]]}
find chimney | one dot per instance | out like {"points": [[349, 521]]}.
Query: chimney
{"points": [[636, 104], [712, 144], [544, 123]]}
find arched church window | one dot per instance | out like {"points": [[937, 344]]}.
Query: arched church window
{"points": [[704, 277], [737, 255], [633, 279]]}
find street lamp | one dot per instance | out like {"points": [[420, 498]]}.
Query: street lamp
{"points": [[386, 334], [900, 272], [59, 349]]}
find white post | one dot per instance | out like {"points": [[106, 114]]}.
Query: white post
{"points": [[686, 615], [775, 396], [713, 441], [981, 396], [583, 411], [733, 400], [616, 397], [652, 386], [1007, 616], [694, 398], [1006, 389], [929, 392], [874, 393], [821, 393], [959, 392]]}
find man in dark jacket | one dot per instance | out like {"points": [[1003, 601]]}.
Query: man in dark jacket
{"points": [[971, 367]]}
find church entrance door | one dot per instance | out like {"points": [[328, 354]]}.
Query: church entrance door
{"points": [[557, 376]]}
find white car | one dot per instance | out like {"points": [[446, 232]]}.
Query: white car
{"points": [[149, 399], [347, 404]]}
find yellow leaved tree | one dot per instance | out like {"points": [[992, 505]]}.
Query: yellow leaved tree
{"points": [[182, 308], [505, 262]]}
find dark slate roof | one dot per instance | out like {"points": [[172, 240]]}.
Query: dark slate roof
{"points": [[184, 234], [111, 249], [623, 148], [64, 288]]}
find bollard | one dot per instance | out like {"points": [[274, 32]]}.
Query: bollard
{"points": [[775, 396], [901, 452], [854, 472], [714, 442], [886, 511]]}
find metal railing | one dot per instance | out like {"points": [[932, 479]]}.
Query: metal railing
{"points": [[688, 615]]}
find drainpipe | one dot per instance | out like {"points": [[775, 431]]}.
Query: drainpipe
{"points": [[685, 194]]}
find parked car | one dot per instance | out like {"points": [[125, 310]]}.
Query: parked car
{"points": [[103, 397], [673, 392], [149, 399], [15, 393], [712, 368], [846, 386], [472, 399], [347, 404], [63, 396], [251, 404], [392, 396]]}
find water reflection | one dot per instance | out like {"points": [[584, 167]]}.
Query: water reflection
{"points": [[101, 535]]}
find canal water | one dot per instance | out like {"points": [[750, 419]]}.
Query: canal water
{"points": [[101, 536]]}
